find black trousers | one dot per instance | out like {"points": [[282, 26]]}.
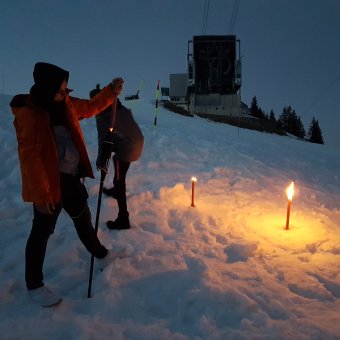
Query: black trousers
{"points": [[119, 184], [74, 201]]}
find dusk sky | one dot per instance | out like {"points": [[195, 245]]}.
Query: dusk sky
{"points": [[290, 49]]}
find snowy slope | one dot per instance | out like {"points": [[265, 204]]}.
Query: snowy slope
{"points": [[225, 269]]}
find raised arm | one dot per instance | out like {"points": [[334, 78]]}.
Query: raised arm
{"points": [[86, 108]]}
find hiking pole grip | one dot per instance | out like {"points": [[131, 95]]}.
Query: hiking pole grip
{"points": [[105, 149]]}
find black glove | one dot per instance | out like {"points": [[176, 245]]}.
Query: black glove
{"points": [[114, 137], [106, 149]]}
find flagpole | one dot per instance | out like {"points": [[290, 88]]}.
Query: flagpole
{"points": [[156, 109]]}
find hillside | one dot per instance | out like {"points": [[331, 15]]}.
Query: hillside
{"points": [[225, 269]]}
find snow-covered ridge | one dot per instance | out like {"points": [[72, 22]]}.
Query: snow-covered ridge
{"points": [[224, 269]]}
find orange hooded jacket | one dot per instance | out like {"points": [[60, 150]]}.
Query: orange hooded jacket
{"points": [[37, 147]]}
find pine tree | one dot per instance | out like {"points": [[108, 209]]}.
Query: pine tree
{"points": [[283, 121], [261, 113], [272, 118], [255, 110], [314, 132], [254, 107], [290, 122], [300, 130]]}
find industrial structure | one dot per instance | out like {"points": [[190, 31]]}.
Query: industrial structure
{"points": [[213, 79]]}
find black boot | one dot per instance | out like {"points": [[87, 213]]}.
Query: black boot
{"points": [[121, 222], [110, 192]]}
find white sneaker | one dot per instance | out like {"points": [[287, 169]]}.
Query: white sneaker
{"points": [[44, 297], [111, 257]]}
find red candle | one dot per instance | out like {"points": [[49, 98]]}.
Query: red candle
{"points": [[193, 180]]}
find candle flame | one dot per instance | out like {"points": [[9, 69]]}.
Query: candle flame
{"points": [[193, 179], [290, 191], [110, 129]]}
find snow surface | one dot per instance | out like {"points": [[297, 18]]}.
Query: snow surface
{"points": [[225, 269]]}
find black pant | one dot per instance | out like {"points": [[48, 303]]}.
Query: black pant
{"points": [[74, 202], [119, 184]]}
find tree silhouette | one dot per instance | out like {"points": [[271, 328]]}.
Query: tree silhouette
{"points": [[314, 132], [290, 122], [272, 118], [254, 108]]}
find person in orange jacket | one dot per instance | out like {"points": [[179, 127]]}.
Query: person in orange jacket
{"points": [[53, 160]]}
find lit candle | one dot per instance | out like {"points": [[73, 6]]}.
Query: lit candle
{"points": [[290, 194], [193, 180]]}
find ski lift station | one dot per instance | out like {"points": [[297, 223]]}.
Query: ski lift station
{"points": [[213, 79]]}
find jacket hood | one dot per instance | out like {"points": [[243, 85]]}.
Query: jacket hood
{"points": [[49, 77], [47, 81], [19, 100]]}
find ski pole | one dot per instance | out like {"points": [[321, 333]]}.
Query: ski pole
{"points": [[102, 178], [104, 161]]}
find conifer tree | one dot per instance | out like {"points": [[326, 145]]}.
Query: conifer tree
{"points": [[272, 118], [260, 113], [291, 123], [283, 121], [254, 107], [314, 132], [300, 130], [255, 110]]}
